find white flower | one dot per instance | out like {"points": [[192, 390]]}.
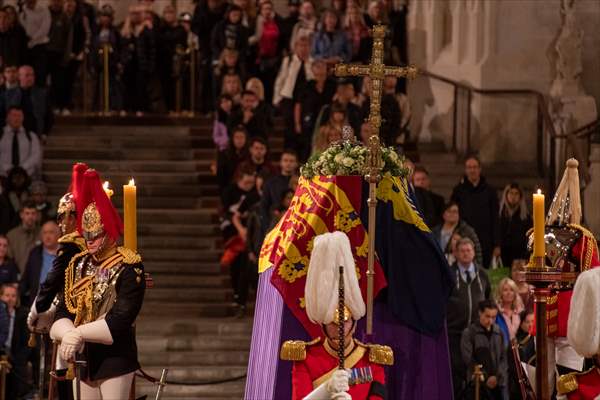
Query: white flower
{"points": [[338, 158], [394, 156], [348, 162]]}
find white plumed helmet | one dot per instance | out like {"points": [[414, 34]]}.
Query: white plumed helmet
{"points": [[583, 331], [330, 250]]}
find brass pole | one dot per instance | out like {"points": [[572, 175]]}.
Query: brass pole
{"points": [[541, 343], [4, 367], [106, 80], [478, 378], [84, 80], [192, 79]]}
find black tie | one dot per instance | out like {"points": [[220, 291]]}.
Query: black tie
{"points": [[468, 275], [16, 154]]}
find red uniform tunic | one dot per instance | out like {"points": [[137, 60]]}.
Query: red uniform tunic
{"points": [[559, 303], [581, 386], [320, 361]]}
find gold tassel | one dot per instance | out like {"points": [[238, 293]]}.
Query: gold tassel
{"points": [[379, 354]]}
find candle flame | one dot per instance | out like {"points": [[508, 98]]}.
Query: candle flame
{"points": [[539, 191], [131, 182]]}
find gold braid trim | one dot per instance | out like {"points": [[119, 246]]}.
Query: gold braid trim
{"points": [[567, 384], [129, 256], [75, 238], [72, 307], [379, 354], [295, 350], [591, 245]]}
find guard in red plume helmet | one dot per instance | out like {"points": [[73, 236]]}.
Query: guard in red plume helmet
{"points": [[570, 247], [103, 294], [43, 309], [71, 243]]}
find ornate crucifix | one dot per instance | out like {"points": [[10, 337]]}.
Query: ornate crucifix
{"points": [[377, 71]]}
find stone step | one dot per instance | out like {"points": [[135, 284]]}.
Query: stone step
{"points": [[126, 154], [174, 216], [222, 391], [109, 142], [152, 189], [64, 165], [198, 255], [197, 358], [179, 230], [194, 326], [162, 120], [181, 266], [117, 179], [192, 343], [152, 309], [123, 131], [172, 242], [208, 202], [191, 295], [189, 281]]}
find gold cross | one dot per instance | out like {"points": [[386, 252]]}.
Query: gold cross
{"points": [[377, 71]]}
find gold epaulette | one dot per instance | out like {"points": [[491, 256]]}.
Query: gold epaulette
{"points": [[129, 256], [295, 350], [75, 238], [567, 383], [379, 354]]}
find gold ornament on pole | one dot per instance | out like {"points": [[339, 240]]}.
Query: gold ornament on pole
{"points": [[377, 71]]}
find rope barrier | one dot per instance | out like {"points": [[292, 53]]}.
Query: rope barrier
{"points": [[150, 378]]}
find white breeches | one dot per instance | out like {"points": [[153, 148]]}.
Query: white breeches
{"points": [[116, 388]]}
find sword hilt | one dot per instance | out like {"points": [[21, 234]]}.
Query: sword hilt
{"points": [[32, 342]]}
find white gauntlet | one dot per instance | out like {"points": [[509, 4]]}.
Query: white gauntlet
{"points": [[334, 386]]}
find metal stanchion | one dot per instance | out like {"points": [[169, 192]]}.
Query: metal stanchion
{"points": [[178, 73], [84, 80], [192, 51], [105, 52], [478, 378], [4, 369]]}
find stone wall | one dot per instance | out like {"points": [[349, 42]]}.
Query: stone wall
{"points": [[494, 45]]}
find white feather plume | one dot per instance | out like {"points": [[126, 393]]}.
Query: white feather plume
{"points": [[330, 250], [583, 331]]}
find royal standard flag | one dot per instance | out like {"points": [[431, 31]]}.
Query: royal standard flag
{"points": [[321, 204]]}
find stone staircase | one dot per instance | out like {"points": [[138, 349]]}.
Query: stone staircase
{"points": [[446, 169], [186, 323]]}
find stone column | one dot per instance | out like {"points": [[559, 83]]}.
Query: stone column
{"points": [[591, 195]]}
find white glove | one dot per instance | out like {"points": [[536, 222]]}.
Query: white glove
{"points": [[72, 343], [338, 381], [341, 396], [333, 386]]}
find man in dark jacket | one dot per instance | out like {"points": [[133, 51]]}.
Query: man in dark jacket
{"points": [[482, 344], [478, 204], [39, 263], [471, 286], [58, 51], [431, 204], [170, 35], [250, 115], [13, 43]]}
